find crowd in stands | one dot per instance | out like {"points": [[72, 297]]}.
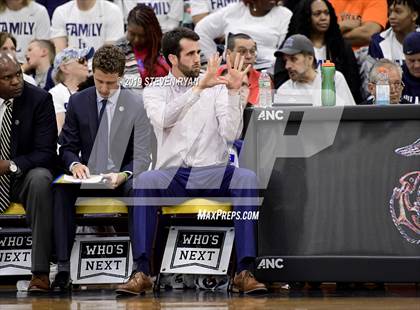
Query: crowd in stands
{"points": [[351, 34], [63, 47]]}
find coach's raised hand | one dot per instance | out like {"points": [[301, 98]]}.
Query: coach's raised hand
{"points": [[211, 78]]}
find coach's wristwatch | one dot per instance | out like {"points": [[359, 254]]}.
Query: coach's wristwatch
{"points": [[13, 168]]}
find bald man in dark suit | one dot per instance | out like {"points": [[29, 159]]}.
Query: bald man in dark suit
{"points": [[27, 153]]}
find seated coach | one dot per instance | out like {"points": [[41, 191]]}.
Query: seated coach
{"points": [[28, 141], [195, 124], [106, 131]]}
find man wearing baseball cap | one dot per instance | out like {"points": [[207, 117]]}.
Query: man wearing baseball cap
{"points": [[411, 68], [304, 79]]}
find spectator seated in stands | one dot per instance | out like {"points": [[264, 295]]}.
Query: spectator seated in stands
{"points": [[262, 20], [86, 23], [141, 47], [404, 18], [305, 79], [316, 20], [245, 46], [26, 20], [39, 63], [8, 44], [411, 68], [360, 20], [28, 154], [395, 81], [70, 69]]}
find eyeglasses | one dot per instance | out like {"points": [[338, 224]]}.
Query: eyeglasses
{"points": [[80, 60], [395, 85], [244, 51]]}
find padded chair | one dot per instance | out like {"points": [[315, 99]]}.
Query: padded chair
{"points": [[90, 212], [184, 214]]}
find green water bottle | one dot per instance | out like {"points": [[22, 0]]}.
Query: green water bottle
{"points": [[328, 84]]}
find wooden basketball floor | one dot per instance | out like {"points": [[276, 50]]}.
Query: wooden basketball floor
{"points": [[395, 296]]}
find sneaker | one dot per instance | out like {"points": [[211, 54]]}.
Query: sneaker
{"points": [[138, 284], [61, 281], [39, 284], [245, 282]]}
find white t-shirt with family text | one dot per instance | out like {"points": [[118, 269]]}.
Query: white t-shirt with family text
{"points": [[208, 6], [85, 29], [29, 23]]}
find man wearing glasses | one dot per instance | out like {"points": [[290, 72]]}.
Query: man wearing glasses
{"points": [[396, 85], [244, 45]]}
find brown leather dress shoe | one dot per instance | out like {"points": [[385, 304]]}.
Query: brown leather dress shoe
{"points": [[138, 284], [39, 284], [245, 282]]}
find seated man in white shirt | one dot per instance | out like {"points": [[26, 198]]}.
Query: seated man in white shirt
{"points": [[305, 80], [194, 125]]}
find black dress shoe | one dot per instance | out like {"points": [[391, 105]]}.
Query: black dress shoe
{"points": [[61, 281]]}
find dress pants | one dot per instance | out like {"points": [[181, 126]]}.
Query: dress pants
{"points": [[211, 181], [34, 191], [65, 196]]}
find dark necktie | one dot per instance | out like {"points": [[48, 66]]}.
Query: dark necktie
{"points": [[5, 133], [102, 140]]}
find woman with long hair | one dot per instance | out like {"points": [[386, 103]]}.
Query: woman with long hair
{"points": [[316, 19], [141, 47]]}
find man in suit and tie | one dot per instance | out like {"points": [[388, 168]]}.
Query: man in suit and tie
{"points": [[28, 142], [106, 131]]}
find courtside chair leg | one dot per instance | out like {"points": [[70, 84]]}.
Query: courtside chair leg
{"points": [[156, 286]]}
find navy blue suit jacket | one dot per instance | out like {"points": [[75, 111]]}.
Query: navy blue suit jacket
{"points": [[34, 129], [129, 137]]}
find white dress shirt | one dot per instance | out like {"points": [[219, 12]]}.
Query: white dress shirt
{"points": [[192, 130], [110, 105]]}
